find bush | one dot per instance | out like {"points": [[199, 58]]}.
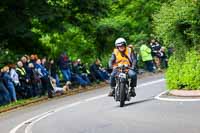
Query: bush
{"points": [[184, 74]]}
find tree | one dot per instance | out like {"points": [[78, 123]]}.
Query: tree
{"points": [[177, 24]]}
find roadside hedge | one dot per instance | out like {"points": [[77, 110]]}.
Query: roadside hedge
{"points": [[184, 74]]}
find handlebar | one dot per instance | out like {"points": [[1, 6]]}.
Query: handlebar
{"points": [[122, 66]]}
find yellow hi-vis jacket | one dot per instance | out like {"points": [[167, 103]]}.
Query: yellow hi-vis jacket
{"points": [[22, 71]]}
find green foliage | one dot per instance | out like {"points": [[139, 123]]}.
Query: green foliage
{"points": [[191, 71], [173, 73], [178, 23], [7, 57], [129, 19], [184, 74], [33, 26], [105, 59], [79, 27], [72, 41]]}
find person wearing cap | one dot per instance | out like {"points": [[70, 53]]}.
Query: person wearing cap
{"points": [[122, 54]]}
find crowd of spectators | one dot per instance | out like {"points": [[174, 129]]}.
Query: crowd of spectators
{"points": [[32, 76], [155, 56]]}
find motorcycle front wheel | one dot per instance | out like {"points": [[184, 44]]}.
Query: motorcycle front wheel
{"points": [[122, 94]]}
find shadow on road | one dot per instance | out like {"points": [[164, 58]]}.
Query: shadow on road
{"points": [[140, 101]]}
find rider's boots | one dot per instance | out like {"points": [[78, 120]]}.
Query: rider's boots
{"points": [[133, 85], [132, 93], [112, 91]]}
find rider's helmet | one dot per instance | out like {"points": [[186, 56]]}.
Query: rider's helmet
{"points": [[120, 42]]}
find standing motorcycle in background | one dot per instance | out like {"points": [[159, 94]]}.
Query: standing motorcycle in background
{"points": [[122, 88]]}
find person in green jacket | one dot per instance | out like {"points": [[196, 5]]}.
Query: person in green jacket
{"points": [[147, 57]]}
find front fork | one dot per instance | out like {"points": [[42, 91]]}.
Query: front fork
{"points": [[129, 90], [117, 92]]}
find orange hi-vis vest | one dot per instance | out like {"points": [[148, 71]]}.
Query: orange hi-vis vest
{"points": [[120, 59]]}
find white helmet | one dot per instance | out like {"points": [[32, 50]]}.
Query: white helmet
{"points": [[120, 41]]}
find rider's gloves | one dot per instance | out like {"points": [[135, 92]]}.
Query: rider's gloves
{"points": [[114, 67], [132, 68]]}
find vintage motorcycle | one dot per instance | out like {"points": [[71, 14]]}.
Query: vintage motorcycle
{"points": [[122, 88]]}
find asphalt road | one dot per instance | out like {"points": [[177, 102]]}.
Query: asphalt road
{"points": [[94, 112]]}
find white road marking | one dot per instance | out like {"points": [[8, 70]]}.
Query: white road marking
{"points": [[68, 106], [157, 97], [14, 130], [95, 98], [28, 129], [37, 118], [175, 99], [150, 83]]}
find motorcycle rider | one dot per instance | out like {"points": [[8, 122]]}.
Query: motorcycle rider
{"points": [[122, 54]]}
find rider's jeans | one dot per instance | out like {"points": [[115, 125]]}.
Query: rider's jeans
{"points": [[131, 73]]}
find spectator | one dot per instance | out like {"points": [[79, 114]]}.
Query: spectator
{"points": [[24, 80], [53, 71], [147, 57], [57, 89], [44, 62], [77, 76], [24, 61], [43, 74], [81, 68], [98, 73], [27, 58], [9, 83], [4, 94], [163, 57], [64, 64], [33, 81], [33, 59], [14, 75], [86, 70], [155, 47]]}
